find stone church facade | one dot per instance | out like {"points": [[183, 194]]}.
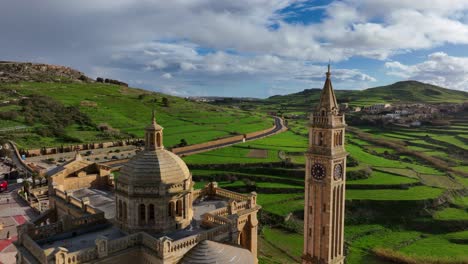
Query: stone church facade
{"points": [[325, 182], [156, 217]]}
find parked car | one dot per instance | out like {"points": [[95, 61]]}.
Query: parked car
{"points": [[3, 185]]}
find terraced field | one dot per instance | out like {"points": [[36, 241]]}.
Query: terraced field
{"points": [[400, 193]]}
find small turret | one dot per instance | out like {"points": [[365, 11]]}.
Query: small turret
{"points": [[153, 135]]}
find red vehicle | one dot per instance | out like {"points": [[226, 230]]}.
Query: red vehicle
{"points": [[3, 185]]}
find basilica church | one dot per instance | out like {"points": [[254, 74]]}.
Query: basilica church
{"points": [[156, 217], [152, 214]]}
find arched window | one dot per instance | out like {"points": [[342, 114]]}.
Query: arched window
{"points": [[151, 212], [158, 139], [320, 139], [119, 213], [179, 208], [151, 139], [170, 209], [124, 211], [142, 213]]}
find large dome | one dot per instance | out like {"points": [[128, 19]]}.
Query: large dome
{"points": [[155, 166]]}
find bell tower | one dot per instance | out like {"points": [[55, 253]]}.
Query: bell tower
{"points": [[325, 182]]}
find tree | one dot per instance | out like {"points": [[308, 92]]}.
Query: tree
{"points": [[183, 143], [165, 102]]}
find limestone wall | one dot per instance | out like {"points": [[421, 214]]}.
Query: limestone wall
{"points": [[71, 148]]}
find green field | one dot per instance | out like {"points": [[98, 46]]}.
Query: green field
{"points": [[281, 246], [286, 142], [129, 111]]}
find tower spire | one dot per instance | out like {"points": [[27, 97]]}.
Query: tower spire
{"points": [[327, 98]]}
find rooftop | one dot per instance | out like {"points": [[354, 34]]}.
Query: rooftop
{"points": [[81, 241], [100, 199]]}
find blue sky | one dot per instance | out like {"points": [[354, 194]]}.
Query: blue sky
{"points": [[254, 48]]}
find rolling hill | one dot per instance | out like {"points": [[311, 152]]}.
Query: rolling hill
{"points": [[66, 108], [399, 92]]}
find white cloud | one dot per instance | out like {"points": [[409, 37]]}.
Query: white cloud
{"points": [[167, 75], [439, 69], [251, 39]]}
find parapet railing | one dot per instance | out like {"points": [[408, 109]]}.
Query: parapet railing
{"points": [[212, 220], [76, 202], [46, 231], [220, 211], [82, 256], [124, 242], [193, 240], [327, 120], [163, 246], [231, 195]]}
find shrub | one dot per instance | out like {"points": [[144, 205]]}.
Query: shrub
{"points": [[8, 115], [165, 102], [351, 162], [183, 143], [359, 174]]}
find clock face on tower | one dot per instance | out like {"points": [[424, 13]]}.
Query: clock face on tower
{"points": [[318, 171], [338, 172]]}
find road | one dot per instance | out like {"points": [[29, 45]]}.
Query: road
{"points": [[278, 127], [20, 166]]}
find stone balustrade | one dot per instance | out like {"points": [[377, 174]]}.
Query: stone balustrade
{"points": [[338, 119], [152, 242], [87, 220], [231, 195], [220, 211], [163, 246], [189, 242], [81, 256], [320, 120], [45, 231], [242, 205], [198, 193], [124, 243], [211, 220]]}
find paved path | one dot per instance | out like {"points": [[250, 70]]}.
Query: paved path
{"points": [[278, 127], [13, 212]]}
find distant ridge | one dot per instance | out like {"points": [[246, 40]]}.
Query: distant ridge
{"points": [[399, 92]]}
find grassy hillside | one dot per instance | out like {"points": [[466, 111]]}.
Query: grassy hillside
{"points": [[400, 92], [125, 110], [398, 206]]}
